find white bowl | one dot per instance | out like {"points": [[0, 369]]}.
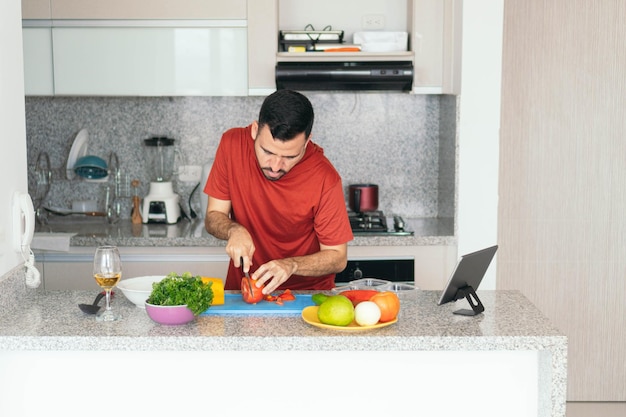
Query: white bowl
{"points": [[137, 290]]}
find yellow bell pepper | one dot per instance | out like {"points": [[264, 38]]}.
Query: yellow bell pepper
{"points": [[218, 289]]}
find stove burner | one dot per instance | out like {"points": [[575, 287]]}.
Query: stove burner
{"points": [[368, 221], [375, 223]]}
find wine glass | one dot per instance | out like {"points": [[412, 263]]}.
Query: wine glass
{"points": [[107, 270]]}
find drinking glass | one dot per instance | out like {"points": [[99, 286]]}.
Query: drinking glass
{"points": [[107, 270]]}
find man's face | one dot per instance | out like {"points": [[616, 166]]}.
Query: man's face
{"points": [[275, 157]]}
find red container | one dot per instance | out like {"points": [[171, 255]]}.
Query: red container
{"points": [[363, 197]]}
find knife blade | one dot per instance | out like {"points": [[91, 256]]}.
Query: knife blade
{"points": [[247, 276]]}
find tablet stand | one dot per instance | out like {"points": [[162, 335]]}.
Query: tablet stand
{"points": [[469, 294]]}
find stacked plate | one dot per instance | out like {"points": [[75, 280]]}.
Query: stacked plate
{"points": [[90, 167], [78, 150]]}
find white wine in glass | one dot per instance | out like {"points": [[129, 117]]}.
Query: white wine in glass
{"points": [[107, 270]]}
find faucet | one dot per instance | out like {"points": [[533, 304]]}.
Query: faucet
{"points": [[43, 173]]}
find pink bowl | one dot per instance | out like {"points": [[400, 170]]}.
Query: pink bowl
{"points": [[170, 315]]}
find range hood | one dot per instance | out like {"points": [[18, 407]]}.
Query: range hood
{"points": [[371, 75]]}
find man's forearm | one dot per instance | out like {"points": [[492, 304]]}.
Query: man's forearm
{"points": [[218, 224], [326, 261]]}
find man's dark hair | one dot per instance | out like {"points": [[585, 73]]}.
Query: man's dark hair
{"points": [[287, 113]]}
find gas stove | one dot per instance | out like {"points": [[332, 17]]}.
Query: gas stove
{"points": [[375, 223]]}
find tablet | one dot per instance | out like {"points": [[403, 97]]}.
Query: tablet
{"points": [[466, 278]]}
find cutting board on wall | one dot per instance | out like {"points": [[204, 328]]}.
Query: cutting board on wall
{"points": [[234, 305]]}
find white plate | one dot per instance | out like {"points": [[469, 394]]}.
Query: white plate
{"points": [[78, 150]]}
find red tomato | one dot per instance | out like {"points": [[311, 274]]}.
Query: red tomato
{"points": [[250, 297], [389, 305]]}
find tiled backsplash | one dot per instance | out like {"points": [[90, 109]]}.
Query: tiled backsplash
{"points": [[404, 143]]}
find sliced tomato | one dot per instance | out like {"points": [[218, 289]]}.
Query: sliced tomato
{"points": [[250, 297], [279, 299], [287, 296]]}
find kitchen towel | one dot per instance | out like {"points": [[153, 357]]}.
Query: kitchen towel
{"points": [[59, 242]]}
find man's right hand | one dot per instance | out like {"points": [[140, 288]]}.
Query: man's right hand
{"points": [[218, 223], [240, 245]]}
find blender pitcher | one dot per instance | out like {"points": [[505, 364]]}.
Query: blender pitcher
{"points": [[161, 205], [160, 158]]}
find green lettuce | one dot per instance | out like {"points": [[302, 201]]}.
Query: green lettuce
{"points": [[185, 289]]}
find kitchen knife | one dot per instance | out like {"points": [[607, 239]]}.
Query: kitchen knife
{"points": [[247, 276]]}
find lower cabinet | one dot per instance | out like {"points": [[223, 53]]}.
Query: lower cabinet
{"points": [[73, 270], [433, 264]]}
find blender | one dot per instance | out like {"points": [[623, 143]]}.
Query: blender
{"points": [[161, 205]]}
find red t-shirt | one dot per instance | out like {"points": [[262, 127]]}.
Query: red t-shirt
{"points": [[286, 218]]}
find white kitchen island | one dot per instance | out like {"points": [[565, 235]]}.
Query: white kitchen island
{"points": [[508, 361]]}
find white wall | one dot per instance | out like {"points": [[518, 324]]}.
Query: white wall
{"points": [[479, 129], [346, 15], [12, 119]]}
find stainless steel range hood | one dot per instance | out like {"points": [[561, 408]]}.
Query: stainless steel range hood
{"points": [[374, 75]]}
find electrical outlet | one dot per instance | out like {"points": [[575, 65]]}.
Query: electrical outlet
{"points": [[373, 21], [190, 173]]}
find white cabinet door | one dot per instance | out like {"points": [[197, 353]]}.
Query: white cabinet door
{"points": [[435, 40], [150, 61], [37, 44]]}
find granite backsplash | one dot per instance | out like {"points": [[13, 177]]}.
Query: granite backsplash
{"points": [[405, 143]]}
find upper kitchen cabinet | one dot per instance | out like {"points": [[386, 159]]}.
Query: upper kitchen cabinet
{"points": [[137, 48], [262, 33], [436, 43], [37, 44], [149, 61], [433, 28], [146, 9], [36, 9]]}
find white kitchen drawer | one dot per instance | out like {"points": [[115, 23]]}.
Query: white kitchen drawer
{"points": [[150, 61]]}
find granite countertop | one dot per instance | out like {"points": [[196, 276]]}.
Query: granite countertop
{"points": [[49, 326], [51, 320], [95, 231]]}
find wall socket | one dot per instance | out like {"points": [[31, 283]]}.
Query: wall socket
{"points": [[190, 173], [373, 21]]}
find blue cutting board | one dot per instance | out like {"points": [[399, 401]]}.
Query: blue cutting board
{"points": [[234, 305]]}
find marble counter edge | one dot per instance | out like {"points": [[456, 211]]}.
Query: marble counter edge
{"points": [[89, 241], [283, 343], [427, 232]]}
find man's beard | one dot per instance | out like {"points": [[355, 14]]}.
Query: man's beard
{"points": [[265, 174]]}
